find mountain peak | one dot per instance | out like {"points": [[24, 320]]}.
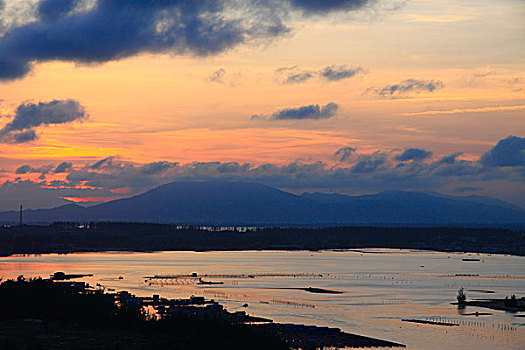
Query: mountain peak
{"points": [[250, 203]]}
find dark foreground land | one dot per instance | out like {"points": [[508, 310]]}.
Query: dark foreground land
{"points": [[71, 237], [42, 314]]}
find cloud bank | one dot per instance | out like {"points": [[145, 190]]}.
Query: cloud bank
{"points": [[358, 172]]}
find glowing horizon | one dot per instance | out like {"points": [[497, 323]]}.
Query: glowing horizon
{"points": [[444, 78]]}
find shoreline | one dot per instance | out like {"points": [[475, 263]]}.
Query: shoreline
{"points": [[361, 250], [124, 306], [65, 238]]}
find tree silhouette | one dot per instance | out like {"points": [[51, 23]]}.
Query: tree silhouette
{"points": [[462, 297]]}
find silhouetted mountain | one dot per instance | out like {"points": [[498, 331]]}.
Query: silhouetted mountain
{"points": [[68, 212], [481, 199], [244, 203], [422, 208], [207, 202]]}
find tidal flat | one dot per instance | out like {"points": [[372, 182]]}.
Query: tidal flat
{"points": [[380, 288]]}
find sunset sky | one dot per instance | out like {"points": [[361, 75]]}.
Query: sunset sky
{"points": [[105, 99]]}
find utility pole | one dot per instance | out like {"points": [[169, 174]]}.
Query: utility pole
{"points": [[21, 209]]}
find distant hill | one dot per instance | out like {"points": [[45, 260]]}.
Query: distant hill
{"points": [[245, 203], [72, 212], [404, 207]]}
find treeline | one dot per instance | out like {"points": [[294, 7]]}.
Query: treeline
{"points": [[40, 314], [70, 237]]}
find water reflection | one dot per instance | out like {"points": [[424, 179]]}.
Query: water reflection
{"points": [[380, 288]]}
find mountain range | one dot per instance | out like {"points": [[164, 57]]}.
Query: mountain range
{"points": [[246, 203]]}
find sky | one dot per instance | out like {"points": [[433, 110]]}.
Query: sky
{"points": [[104, 99]]}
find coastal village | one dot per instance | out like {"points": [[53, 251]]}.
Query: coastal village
{"points": [[296, 336]]}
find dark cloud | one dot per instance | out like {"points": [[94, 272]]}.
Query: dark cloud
{"points": [[19, 137], [369, 163], [29, 116], [459, 168], [63, 167], [52, 10], [104, 164], [344, 154], [509, 152], [408, 85], [304, 112], [331, 73], [27, 169], [319, 6], [336, 73], [450, 159], [157, 167], [66, 30], [307, 112], [24, 169], [112, 30], [416, 154], [298, 78], [217, 76]]}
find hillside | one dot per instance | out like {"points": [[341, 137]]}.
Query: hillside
{"points": [[245, 203]]}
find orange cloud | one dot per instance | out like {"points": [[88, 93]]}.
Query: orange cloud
{"points": [[87, 199]]}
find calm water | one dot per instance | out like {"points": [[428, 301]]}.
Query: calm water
{"points": [[380, 288]]}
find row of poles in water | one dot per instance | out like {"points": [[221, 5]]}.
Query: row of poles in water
{"points": [[504, 327]]}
